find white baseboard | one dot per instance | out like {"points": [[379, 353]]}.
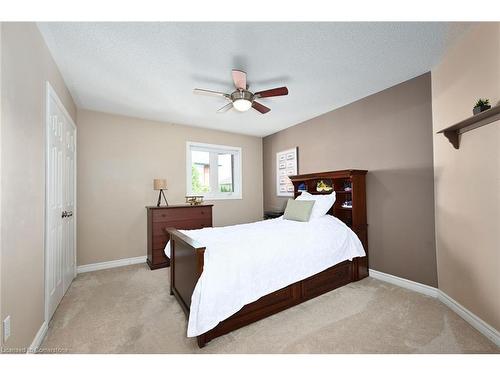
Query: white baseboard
{"points": [[37, 341], [488, 331], [471, 318], [405, 283], [110, 264]]}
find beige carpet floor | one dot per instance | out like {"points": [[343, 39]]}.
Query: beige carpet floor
{"points": [[129, 310]]}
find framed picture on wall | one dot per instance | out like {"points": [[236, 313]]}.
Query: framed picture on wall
{"points": [[286, 165]]}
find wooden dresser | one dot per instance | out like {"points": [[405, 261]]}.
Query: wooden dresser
{"points": [[176, 216]]}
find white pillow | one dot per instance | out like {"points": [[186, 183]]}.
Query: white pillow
{"points": [[322, 202]]}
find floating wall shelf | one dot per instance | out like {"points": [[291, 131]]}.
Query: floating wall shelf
{"points": [[453, 132]]}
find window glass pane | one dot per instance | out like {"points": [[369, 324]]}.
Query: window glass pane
{"points": [[225, 173], [200, 171]]}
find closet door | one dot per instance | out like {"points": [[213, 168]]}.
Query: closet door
{"points": [[69, 205], [60, 203]]}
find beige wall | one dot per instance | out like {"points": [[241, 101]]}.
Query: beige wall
{"points": [[118, 157], [389, 134], [467, 181], [26, 65]]}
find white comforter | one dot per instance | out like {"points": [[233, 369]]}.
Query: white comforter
{"points": [[245, 262]]}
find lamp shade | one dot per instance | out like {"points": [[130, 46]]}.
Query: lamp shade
{"points": [[159, 184]]}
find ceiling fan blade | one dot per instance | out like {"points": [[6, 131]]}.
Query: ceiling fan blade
{"points": [[239, 79], [261, 108], [226, 108], [279, 91], [210, 92]]}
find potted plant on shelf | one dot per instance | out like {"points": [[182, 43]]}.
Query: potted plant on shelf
{"points": [[481, 106]]}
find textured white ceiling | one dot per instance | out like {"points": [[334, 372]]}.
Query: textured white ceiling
{"points": [[148, 70]]}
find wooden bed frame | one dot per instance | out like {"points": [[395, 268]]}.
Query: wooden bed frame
{"points": [[187, 256]]}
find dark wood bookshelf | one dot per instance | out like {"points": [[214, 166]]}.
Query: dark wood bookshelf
{"points": [[454, 132], [354, 217]]}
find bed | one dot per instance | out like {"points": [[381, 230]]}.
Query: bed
{"points": [[227, 277]]}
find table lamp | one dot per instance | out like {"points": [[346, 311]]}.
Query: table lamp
{"points": [[160, 184]]}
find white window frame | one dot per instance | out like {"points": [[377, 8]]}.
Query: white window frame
{"points": [[237, 175]]}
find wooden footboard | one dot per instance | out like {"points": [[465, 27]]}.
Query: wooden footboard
{"points": [[186, 266]]}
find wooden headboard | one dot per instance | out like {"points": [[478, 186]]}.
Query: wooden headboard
{"points": [[349, 186]]}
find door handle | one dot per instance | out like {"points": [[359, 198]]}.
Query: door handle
{"points": [[66, 214]]}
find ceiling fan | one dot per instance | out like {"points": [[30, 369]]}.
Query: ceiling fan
{"points": [[242, 99]]}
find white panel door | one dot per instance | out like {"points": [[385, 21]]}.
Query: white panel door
{"points": [[69, 205], [60, 203]]}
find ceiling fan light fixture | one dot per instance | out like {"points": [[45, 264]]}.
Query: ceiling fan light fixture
{"points": [[241, 99], [242, 105]]}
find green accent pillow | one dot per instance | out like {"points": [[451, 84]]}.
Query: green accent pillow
{"points": [[298, 210]]}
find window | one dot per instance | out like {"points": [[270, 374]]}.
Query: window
{"points": [[213, 171]]}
